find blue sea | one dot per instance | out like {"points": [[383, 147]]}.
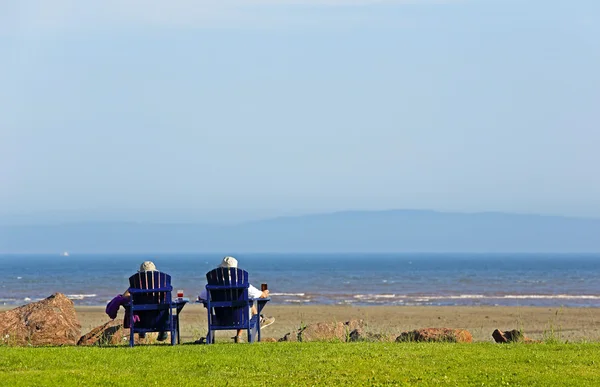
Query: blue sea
{"points": [[571, 280]]}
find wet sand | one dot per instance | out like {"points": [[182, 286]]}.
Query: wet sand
{"points": [[572, 324]]}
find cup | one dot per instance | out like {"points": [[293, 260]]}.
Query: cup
{"points": [[263, 287], [180, 294]]}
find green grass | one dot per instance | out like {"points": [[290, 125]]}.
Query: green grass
{"points": [[301, 364]]}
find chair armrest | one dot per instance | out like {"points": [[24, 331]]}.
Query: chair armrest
{"points": [[260, 303], [260, 299], [140, 291], [225, 287]]}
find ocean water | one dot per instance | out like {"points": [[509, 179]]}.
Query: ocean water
{"points": [[350, 279]]}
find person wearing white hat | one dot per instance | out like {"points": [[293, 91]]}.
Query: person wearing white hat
{"points": [[253, 292], [122, 300]]}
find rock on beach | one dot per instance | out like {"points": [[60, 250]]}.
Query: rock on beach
{"points": [[335, 331], [51, 321], [446, 335]]}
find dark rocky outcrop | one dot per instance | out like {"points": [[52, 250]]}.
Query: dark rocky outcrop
{"points": [[513, 336], [446, 335], [359, 334], [111, 333], [51, 321], [336, 331]]}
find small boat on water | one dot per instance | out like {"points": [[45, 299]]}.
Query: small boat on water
{"points": [[65, 254]]}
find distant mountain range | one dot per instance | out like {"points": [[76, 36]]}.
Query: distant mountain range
{"points": [[352, 231]]}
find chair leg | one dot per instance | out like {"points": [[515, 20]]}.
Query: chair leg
{"points": [[171, 327], [210, 338], [131, 333], [178, 336], [252, 329], [256, 328]]}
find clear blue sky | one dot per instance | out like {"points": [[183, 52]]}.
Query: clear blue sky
{"points": [[272, 107]]}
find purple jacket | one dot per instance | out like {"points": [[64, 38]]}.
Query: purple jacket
{"points": [[113, 307]]}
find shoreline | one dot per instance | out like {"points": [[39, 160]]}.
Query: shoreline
{"points": [[562, 323]]}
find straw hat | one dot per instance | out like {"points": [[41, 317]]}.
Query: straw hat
{"points": [[229, 262], [147, 266]]}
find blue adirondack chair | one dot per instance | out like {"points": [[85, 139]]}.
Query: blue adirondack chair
{"points": [[228, 304], [151, 301]]}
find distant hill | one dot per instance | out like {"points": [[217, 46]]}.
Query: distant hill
{"points": [[352, 231]]}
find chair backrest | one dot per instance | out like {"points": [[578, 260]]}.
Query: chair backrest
{"points": [[149, 280], [227, 288]]}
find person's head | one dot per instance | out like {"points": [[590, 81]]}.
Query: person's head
{"points": [[147, 266], [229, 262]]}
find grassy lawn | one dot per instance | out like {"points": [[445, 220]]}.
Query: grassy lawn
{"points": [[301, 364]]}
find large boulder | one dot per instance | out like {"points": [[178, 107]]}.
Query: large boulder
{"points": [[111, 333], [446, 335], [336, 331], [52, 321]]}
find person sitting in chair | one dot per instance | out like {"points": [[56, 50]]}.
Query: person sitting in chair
{"points": [[123, 300], [231, 262]]}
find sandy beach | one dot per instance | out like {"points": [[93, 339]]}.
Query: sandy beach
{"points": [[572, 324]]}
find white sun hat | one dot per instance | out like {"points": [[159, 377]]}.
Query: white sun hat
{"points": [[147, 266], [229, 262]]}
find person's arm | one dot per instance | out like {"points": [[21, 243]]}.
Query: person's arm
{"points": [[203, 295], [255, 293]]}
